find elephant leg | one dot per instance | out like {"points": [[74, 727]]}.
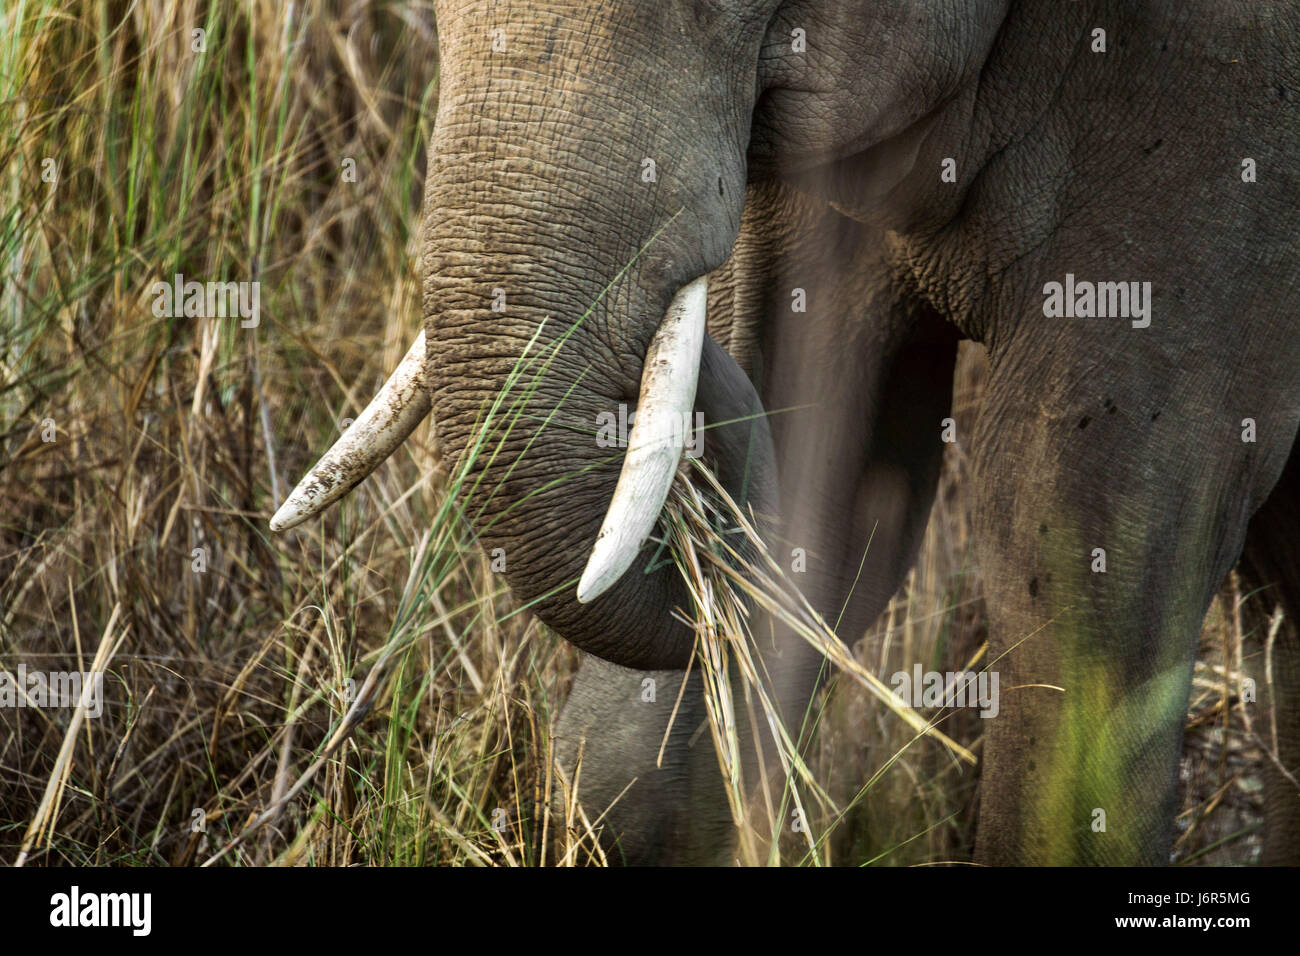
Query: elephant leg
{"points": [[899, 473], [1110, 507], [860, 455], [674, 814], [857, 379], [1271, 565]]}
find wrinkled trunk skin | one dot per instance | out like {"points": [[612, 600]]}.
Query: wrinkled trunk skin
{"points": [[536, 202]]}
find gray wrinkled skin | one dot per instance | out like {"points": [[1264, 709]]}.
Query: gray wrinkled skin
{"points": [[821, 171]]}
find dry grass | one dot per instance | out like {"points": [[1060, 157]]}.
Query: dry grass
{"points": [[720, 552], [363, 690]]}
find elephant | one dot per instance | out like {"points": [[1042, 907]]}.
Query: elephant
{"points": [[801, 208]]}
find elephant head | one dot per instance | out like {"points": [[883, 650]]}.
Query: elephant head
{"points": [[574, 205]]}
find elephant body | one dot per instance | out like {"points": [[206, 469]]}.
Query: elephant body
{"points": [[826, 175], [922, 171]]}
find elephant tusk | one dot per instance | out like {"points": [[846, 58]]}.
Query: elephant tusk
{"points": [[659, 432], [384, 424]]}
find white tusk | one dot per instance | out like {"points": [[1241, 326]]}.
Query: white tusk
{"points": [[384, 424], [659, 432]]}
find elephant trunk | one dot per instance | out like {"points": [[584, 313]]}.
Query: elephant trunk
{"points": [[542, 344]]}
